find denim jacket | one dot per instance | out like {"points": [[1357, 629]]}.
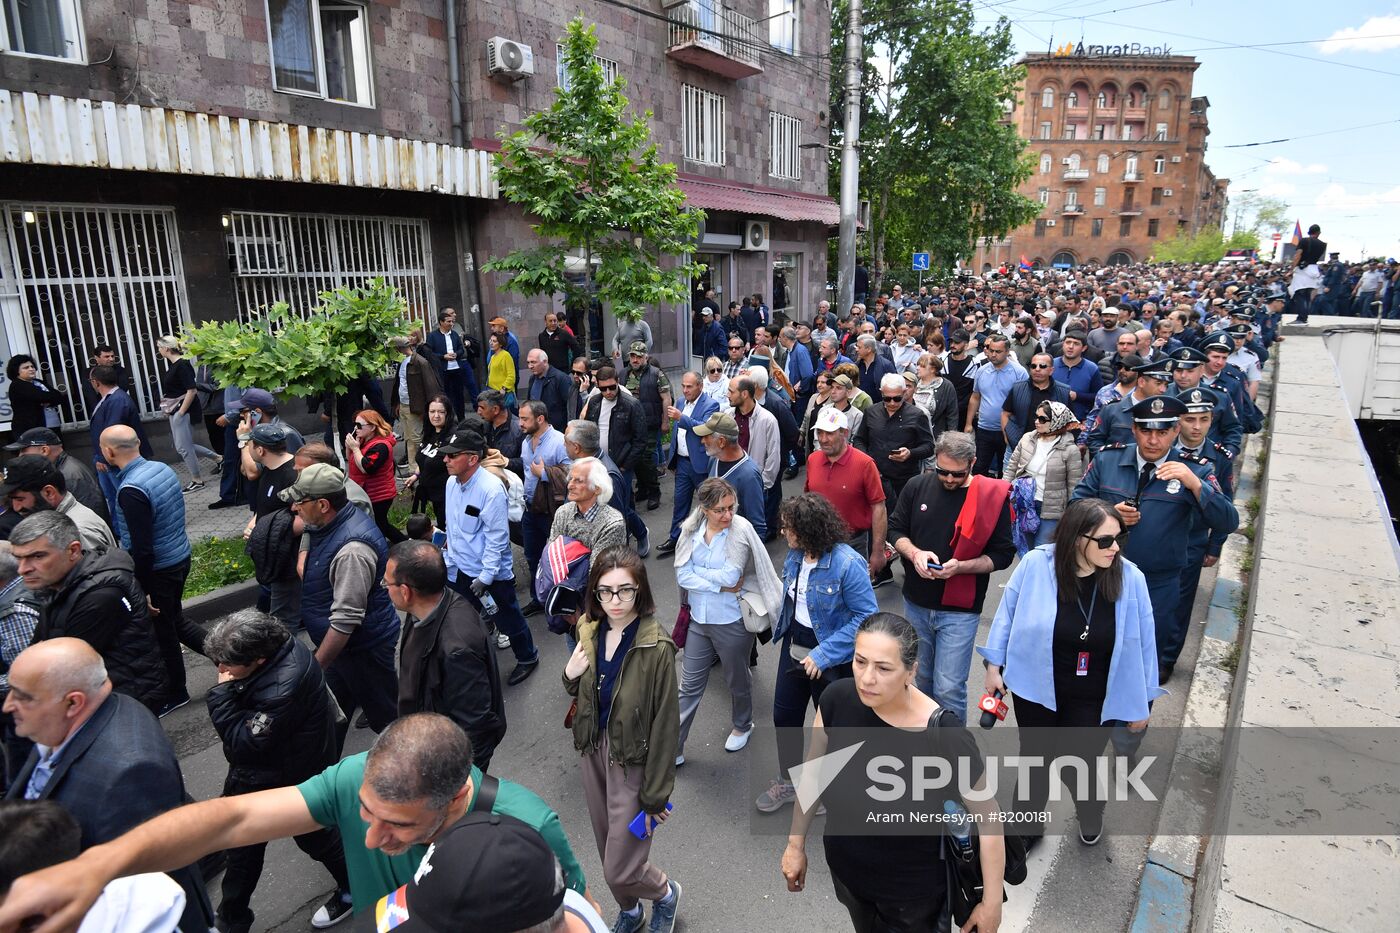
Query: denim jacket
{"points": [[1020, 639], [839, 599]]}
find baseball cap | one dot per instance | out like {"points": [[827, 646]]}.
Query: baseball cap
{"points": [[257, 398], [499, 321], [28, 472], [270, 435], [35, 437], [719, 423], [637, 346], [488, 873], [465, 441], [317, 481], [829, 419], [844, 381]]}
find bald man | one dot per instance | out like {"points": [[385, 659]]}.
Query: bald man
{"points": [[101, 755], [550, 385], [150, 521]]}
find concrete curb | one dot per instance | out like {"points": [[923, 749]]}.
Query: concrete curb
{"points": [[1175, 867], [215, 604]]}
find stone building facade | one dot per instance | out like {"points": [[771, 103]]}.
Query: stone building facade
{"points": [[1118, 144], [168, 161]]}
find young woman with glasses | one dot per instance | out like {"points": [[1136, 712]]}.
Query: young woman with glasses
{"points": [[622, 675], [1074, 641], [369, 450]]}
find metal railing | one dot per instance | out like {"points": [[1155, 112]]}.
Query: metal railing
{"points": [[717, 28], [1076, 174]]}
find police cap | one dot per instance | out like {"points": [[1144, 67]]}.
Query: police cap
{"points": [[1155, 369], [1158, 413], [1218, 341], [1187, 358], [1198, 400]]}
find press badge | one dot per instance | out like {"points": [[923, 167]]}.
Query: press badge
{"points": [[1081, 667]]}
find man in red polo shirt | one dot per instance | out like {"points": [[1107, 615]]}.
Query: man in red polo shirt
{"points": [[850, 481]]}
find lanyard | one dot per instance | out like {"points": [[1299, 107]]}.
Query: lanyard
{"points": [[1088, 616]]}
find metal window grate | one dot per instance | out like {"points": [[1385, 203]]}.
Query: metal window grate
{"points": [[704, 114], [784, 134], [295, 257], [86, 275]]}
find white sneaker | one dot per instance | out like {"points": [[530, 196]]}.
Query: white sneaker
{"points": [[502, 640], [736, 742]]}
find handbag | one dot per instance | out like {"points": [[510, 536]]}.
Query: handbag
{"points": [[171, 405], [681, 629]]}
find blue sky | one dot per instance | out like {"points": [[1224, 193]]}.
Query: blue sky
{"points": [[1329, 67]]}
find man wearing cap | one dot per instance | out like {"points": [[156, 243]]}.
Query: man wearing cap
{"points": [[32, 484], [1222, 376], [1081, 375], [270, 546], [479, 563], [720, 435], [1244, 359], [416, 384], [1161, 496], [390, 804], [259, 406], [1188, 366], [712, 336], [1115, 422], [689, 460], [1203, 549], [648, 385], [344, 609], [116, 407], [150, 520], [551, 386], [82, 482], [1106, 335], [501, 328], [851, 482]]}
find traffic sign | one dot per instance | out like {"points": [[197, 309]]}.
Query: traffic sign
{"points": [[1276, 237], [921, 262]]}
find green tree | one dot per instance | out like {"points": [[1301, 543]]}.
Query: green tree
{"points": [[598, 190], [940, 167], [1257, 213], [1207, 245]]}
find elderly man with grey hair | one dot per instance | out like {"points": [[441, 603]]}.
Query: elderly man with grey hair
{"points": [[872, 364], [582, 439], [587, 517], [19, 614]]}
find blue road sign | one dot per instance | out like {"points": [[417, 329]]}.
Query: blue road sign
{"points": [[921, 262]]}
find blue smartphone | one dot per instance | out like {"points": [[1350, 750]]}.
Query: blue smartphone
{"points": [[639, 826], [934, 566], [440, 538]]}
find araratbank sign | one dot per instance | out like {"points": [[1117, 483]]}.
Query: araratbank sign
{"points": [[1071, 50]]}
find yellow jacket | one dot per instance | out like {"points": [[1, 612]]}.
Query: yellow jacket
{"points": [[500, 371]]}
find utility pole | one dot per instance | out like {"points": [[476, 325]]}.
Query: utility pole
{"points": [[850, 167]]}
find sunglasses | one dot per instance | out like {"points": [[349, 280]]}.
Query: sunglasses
{"points": [[891, 399], [1040, 366], [1042, 419], [955, 474], [713, 372], [360, 425], [736, 346], [1104, 542], [611, 388]]}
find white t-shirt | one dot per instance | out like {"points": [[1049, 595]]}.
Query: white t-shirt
{"points": [[149, 903], [688, 409], [576, 905], [1036, 465], [798, 592], [605, 411]]}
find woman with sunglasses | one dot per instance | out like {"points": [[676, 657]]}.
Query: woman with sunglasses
{"points": [[1073, 641], [715, 385], [622, 676], [1050, 457], [369, 450]]}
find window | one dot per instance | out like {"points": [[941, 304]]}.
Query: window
{"points": [[1073, 163], [48, 28], [1096, 227], [1100, 197], [1040, 228], [1072, 99], [1102, 99], [782, 25], [1125, 226], [784, 133], [1127, 131], [1047, 98], [1067, 226], [320, 49], [1071, 198], [1152, 227], [561, 76], [1156, 197], [1130, 166], [1164, 99], [1161, 131], [1044, 194], [1045, 131], [787, 281], [1159, 165], [1045, 163], [703, 126], [1102, 168]]}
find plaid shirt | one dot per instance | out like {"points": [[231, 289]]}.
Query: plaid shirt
{"points": [[16, 628]]}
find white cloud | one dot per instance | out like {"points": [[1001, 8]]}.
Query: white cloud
{"points": [[1377, 34], [1336, 197], [1278, 189], [1282, 166]]}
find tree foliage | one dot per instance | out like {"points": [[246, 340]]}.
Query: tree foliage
{"points": [[1258, 213], [598, 189], [340, 339], [1207, 245], [940, 168]]}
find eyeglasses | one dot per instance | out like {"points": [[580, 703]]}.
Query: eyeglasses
{"points": [[714, 372], [721, 509], [1040, 366], [955, 474], [611, 388], [891, 399], [1104, 542], [623, 594]]}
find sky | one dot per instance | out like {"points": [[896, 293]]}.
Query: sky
{"points": [[1330, 72]]}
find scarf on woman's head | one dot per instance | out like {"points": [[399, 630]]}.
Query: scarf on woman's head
{"points": [[1061, 416]]}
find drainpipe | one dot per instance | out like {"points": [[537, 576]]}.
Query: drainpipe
{"points": [[462, 216], [454, 71]]}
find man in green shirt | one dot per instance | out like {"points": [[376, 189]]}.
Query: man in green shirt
{"points": [[388, 803]]}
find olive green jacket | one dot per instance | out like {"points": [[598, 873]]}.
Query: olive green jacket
{"points": [[645, 721]]}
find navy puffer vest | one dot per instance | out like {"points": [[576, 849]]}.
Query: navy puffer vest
{"points": [[380, 622], [162, 488]]}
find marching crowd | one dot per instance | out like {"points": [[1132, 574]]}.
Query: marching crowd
{"points": [[1082, 425]]}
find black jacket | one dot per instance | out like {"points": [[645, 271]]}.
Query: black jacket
{"points": [[274, 547], [627, 429], [101, 603], [27, 403], [879, 434], [447, 667], [561, 347], [554, 390], [278, 726]]}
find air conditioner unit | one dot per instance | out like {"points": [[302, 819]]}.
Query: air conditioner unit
{"points": [[1176, 159], [1049, 223], [1064, 161], [1166, 192], [256, 255], [508, 59], [756, 235]]}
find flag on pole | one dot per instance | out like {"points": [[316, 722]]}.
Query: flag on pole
{"points": [[1024, 263], [1297, 233]]}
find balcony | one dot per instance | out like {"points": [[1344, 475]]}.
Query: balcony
{"points": [[1130, 211], [1072, 210], [1132, 176], [715, 39], [1076, 174], [1135, 114], [1081, 112]]}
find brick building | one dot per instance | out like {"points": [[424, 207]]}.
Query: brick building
{"points": [[1119, 145], [167, 161]]}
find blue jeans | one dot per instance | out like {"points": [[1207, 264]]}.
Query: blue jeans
{"points": [[534, 533], [230, 478], [687, 480], [946, 639], [507, 618], [622, 492], [1046, 531], [108, 481]]}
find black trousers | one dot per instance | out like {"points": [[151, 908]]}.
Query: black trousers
{"points": [[245, 863], [1084, 738], [381, 518], [991, 448], [914, 916], [167, 587], [648, 478]]}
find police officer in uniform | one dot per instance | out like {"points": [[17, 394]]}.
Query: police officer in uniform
{"points": [[1188, 366], [1161, 495], [1244, 358], [1203, 549], [1230, 381], [1115, 424], [1249, 315]]}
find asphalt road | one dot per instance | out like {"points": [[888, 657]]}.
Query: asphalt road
{"points": [[725, 858]]}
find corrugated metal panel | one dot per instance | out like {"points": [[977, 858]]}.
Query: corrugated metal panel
{"points": [[53, 130]]}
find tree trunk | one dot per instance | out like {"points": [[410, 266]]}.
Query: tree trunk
{"points": [[877, 272]]}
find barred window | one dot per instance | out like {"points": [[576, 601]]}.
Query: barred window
{"points": [[561, 75], [703, 126], [784, 133]]}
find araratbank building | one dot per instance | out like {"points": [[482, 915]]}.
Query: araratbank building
{"points": [[1119, 143]]}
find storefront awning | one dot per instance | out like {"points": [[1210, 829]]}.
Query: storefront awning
{"points": [[716, 196]]}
